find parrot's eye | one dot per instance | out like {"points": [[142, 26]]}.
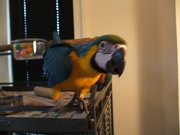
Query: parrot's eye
{"points": [[102, 45], [115, 46]]}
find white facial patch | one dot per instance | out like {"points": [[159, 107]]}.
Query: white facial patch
{"points": [[101, 59], [105, 53]]}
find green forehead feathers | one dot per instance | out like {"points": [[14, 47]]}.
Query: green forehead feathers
{"points": [[114, 39]]}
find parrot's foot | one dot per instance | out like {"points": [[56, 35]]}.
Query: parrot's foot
{"points": [[83, 105], [93, 93], [71, 103], [58, 108], [77, 102], [56, 95]]}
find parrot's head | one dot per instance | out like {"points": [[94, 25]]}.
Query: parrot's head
{"points": [[111, 54]]}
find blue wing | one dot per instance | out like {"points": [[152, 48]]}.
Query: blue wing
{"points": [[57, 64]]}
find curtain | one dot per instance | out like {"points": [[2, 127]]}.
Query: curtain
{"points": [[38, 19]]}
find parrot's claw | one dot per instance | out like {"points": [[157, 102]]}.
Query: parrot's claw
{"points": [[59, 107], [78, 102], [83, 105], [71, 103], [80, 105], [93, 93]]}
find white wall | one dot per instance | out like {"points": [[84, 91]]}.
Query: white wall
{"points": [[178, 43], [146, 96], [5, 65]]}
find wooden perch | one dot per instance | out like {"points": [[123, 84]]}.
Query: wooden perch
{"points": [[50, 42], [79, 41], [5, 47]]}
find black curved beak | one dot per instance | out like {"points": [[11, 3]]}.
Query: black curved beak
{"points": [[117, 63]]}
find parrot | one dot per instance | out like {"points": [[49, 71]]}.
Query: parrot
{"points": [[79, 67]]}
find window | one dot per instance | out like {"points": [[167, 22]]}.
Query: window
{"points": [[38, 18]]}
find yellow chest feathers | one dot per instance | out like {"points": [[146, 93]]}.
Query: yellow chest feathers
{"points": [[83, 75]]}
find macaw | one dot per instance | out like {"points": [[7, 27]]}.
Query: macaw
{"points": [[79, 67]]}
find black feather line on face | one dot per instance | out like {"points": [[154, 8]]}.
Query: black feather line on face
{"points": [[96, 67]]}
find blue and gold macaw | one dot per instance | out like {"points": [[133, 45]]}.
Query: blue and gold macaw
{"points": [[79, 67]]}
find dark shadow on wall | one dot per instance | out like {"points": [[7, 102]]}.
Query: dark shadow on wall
{"points": [[157, 67], [150, 75]]}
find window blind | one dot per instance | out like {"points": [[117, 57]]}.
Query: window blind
{"points": [[38, 19]]}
